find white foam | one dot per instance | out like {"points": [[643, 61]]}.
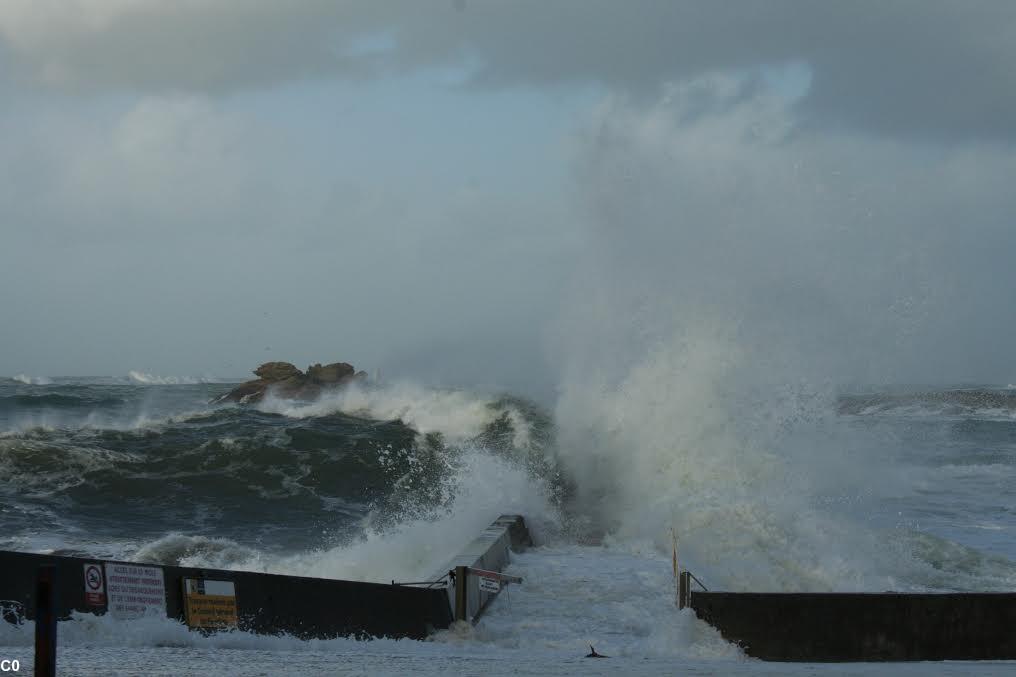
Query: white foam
{"points": [[19, 463], [927, 410], [200, 551], [479, 488], [457, 415], [618, 597], [143, 378], [154, 631], [618, 600], [33, 380]]}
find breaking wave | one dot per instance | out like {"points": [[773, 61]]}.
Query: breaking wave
{"points": [[296, 474], [766, 489], [457, 415], [32, 380], [142, 378], [415, 544], [987, 403]]}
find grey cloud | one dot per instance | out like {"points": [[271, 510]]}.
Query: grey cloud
{"points": [[826, 244], [178, 235], [937, 68]]}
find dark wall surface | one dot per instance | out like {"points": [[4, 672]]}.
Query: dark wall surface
{"points": [[266, 603], [864, 627]]}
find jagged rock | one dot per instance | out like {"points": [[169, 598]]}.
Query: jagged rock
{"points": [[285, 380], [245, 392], [330, 373], [290, 388], [277, 371]]}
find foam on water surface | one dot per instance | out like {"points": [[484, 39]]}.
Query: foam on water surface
{"points": [[789, 495]]}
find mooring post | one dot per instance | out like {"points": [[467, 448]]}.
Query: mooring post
{"points": [[683, 588], [461, 582], [45, 622]]}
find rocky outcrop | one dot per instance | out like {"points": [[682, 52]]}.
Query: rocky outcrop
{"points": [[330, 373], [276, 371], [285, 380]]}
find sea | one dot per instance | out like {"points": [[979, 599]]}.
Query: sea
{"points": [[908, 488]]}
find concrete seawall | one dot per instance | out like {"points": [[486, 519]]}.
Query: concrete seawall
{"points": [[254, 602], [489, 551], [265, 603], [864, 627]]}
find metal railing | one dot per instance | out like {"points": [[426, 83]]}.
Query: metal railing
{"points": [[684, 588]]}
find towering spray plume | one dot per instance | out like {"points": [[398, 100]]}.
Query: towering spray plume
{"points": [[742, 272]]}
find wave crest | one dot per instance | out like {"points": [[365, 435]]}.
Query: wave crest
{"points": [[32, 380], [146, 379], [195, 551], [458, 416], [986, 403]]}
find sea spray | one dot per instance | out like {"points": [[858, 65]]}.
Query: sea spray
{"points": [[706, 337], [415, 546]]}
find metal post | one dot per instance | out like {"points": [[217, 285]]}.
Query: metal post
{"points": [[683, 589], [45, 622], [461, 582]]}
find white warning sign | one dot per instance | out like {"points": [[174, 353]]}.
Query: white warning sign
{"points": [[135, 590], [489, 584], [95, 587], [492, 581]]}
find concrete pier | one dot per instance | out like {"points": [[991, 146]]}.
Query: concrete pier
{"points": [[863, 626]]}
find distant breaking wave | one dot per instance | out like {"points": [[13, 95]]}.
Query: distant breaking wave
{"points": [[143, 378], [133, 377], [970, 402], [32, 380]]}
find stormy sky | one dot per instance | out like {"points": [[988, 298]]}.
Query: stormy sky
{"points": [[497, 193]]}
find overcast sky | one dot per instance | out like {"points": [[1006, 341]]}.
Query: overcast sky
{"points": [[494, 194]]}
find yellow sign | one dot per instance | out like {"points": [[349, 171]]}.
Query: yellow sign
{"points": [[209, 604]]}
